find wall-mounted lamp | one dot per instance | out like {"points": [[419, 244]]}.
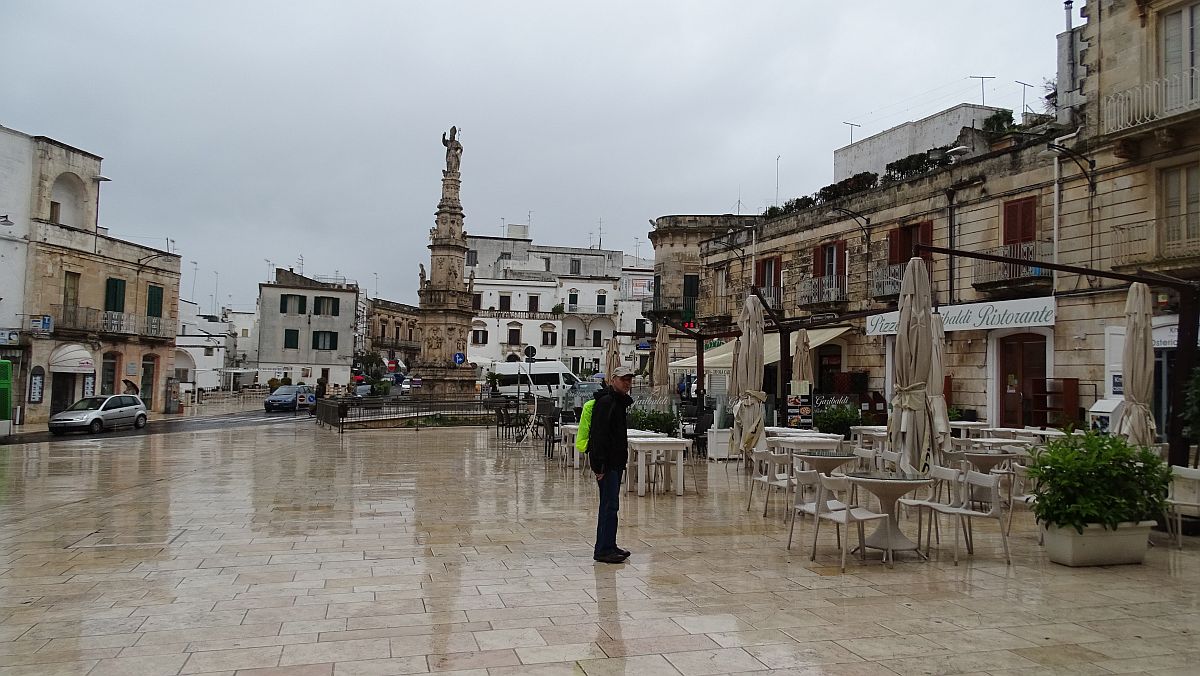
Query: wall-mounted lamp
{"points": [[1057, 150], [100, 179], [5, 221]]}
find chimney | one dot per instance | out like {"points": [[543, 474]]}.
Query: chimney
{"points": [[1067, 8]]}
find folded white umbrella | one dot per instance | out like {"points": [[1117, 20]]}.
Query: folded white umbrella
{"points": [[939, 415], [908, 423], [1137, 420], [748, 413]]}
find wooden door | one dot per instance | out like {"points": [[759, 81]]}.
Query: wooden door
{"points": [[1022, 359], [62, 391]]}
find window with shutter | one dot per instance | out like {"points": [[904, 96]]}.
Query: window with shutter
{"points": [[1020, 220], [154, 301], [291, 339], [303, 304], [114, 295], [283, 304]]}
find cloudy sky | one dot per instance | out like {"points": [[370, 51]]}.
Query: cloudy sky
{"points": [[255, 131]]}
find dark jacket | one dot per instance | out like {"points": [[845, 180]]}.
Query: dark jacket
{"points": [[608, 438]]}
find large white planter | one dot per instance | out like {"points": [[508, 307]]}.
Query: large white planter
{"points": [[718, 443], [1097, 546]]}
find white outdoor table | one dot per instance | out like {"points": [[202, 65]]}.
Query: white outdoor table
{"points": [[878, 439], [985, 462], [889, 487], [629, 434], [986, 444], [790, 432], [568, 440], [824, 461], [968, 428], [857, 432], [641, 446]]}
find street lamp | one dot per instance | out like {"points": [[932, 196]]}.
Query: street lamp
{"points": [[1055, 150], [864, 222]]}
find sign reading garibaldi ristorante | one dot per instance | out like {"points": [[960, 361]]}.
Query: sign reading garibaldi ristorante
{"points": [[1005, 314]]}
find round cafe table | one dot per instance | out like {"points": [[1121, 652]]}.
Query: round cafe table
{"points": [[824, 461], [986, 462], [889, 487], [966, 427]]}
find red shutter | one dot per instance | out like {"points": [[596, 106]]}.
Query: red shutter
{"points": [[925, 236], [1012, 225], [839, 263], [1029, 220], [895, 255], [758, 273], [777, 272], [818, 261]]}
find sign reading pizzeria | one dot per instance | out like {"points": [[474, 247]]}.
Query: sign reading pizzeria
{"points": [[1004, 314]]}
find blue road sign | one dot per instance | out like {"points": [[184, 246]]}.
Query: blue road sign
{"points": [[460, 358]]}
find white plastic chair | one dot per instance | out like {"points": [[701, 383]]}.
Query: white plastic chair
{"points": [[804, 478], [991, 484], [1023, 494], [760, 473], [866, 457], [944, 493], [1183, 494], [829, 489]]}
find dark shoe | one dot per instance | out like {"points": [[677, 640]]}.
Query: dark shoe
{"points": [[614, 557], [624, 552]]}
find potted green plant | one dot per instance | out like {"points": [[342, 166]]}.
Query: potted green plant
{"points": [[1097, 496], [837, 420]]}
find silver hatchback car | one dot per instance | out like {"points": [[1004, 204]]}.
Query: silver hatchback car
{"points": [[96, 414]]}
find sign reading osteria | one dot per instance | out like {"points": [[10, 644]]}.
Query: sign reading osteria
{"points": [[1004, 314]]}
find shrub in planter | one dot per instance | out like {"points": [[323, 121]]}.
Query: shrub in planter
{"points": [[653, 421], [837, 420], [1099, 484]]}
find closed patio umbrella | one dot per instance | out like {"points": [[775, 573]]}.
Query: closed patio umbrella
{"points": [[660, 377], [1137, 421], [802, 369], [939, 415], [612, 357], [748, 412], [908, 423]]}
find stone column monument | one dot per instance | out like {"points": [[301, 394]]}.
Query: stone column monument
{"points": [[445, 301]]}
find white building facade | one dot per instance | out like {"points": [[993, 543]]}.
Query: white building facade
{"points": [[201, 349], [567, 302], [306, 329]]}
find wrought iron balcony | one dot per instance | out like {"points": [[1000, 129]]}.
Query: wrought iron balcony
{"points": [[575, 308], [820, 290], [715, 306], [92, 320], [885, 280], [681, 306], [990, 272], [518, 314], [75, 318], [772, 295], [394, 344], [1165, 239], [157, 327], [1152, 101]]}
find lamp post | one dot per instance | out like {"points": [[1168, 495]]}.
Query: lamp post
{"points": [[1057, 150]]}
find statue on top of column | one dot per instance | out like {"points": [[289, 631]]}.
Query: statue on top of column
{"points": [[453, 150]]}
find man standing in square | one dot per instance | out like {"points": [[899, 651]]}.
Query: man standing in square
{"points": [[608, 452]]}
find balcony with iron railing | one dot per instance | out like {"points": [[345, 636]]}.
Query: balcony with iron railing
{"points": [[716, 307], [677, 306], [93, 320], [771, 295], [575, 308], [518, 314], [885, 279], [387, 343], [1167, 240], [822, 290], [994, 275], [1155, 100]]}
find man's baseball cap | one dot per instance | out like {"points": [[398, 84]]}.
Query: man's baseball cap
{"points": [[622, 372]]}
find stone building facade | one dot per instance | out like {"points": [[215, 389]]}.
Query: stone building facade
{"points": [[1119, 190], [98, 313], [393, 331]]}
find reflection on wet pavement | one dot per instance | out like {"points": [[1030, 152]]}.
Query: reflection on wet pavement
{"points": [[292, 550]]}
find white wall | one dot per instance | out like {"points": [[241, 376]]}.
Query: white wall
{"points": [[204, 340], [16, 188], [875, 152]]}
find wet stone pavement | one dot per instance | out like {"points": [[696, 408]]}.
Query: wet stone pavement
{"points": [[291, 550]]}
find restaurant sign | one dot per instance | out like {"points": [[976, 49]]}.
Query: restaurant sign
{"points": [[1004, 314]]}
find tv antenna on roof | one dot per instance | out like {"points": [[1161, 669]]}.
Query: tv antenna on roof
{"points": [[1024, 87], [982, 92], [852, 126]]}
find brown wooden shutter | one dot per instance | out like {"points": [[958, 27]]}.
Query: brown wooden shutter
{"points": [[925, 236], [895, 255], [839, 262], [777, 272], [1029, 220], [1012, 222], [818, 260]]}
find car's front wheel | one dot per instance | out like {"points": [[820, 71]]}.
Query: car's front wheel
{"points": [[140, 422], [96, 427]]}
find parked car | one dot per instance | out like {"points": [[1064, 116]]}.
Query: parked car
{"points": [[96, 414], [284, 398]]}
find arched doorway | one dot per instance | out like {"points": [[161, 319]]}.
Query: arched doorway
{"points": [[1022, 359]]}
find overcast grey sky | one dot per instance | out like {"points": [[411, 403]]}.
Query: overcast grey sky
{"points": [[248, 131]]}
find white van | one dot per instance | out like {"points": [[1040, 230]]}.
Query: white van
{"points": [[543, 378]]}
